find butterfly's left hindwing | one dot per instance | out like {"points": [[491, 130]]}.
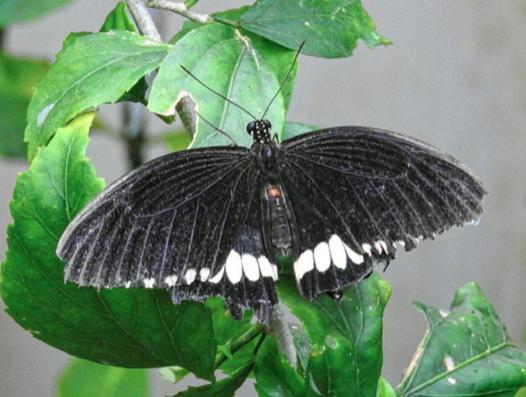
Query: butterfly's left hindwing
{"points": [[189, 222], [356, 192]]}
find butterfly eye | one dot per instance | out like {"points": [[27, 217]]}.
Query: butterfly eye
{"points": [[251, 127], [267, 124]]}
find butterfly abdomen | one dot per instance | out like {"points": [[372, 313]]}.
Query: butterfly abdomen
{"points": [[279, 232]]}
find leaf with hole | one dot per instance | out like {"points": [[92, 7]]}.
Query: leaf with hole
{"points": [[329, 29], [465, 352]]}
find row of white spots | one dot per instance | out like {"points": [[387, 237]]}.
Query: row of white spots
{"points": [[334, 251], [234, 267]]}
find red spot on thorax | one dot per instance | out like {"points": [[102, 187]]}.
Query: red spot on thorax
{"points": [[274, 192]]}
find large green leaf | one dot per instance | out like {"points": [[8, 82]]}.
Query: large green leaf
{"points": [[277, 57], [465, 352], [346, 336], [224, 59], [223, 388], [329, 29], [94, 69], [87, 379], [131, 328], [18, 77], [23, 10], [274, 375]]}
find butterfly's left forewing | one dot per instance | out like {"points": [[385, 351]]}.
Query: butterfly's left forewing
{"points": [[356, 192], [188, 222]]}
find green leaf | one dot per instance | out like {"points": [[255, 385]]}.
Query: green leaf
{"points": [[190, 3], [227, 62], [177, 140], [465, 352], [122, 327], [173, 374], [295, 129], [346, 336], [330, 29], [18, 77], [223, 388], [274, 375], [86, 379], [118, 19], [385, 389], [94, 69], [302, 344], [277, 57], [22, 10]]}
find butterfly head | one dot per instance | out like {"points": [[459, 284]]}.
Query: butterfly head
{"points": [[259, 130]]}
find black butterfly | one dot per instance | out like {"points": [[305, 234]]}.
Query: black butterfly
{"points": [[212, 221]]}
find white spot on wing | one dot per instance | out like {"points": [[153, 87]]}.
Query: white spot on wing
{"points": [[233, 267], [149, 282], [189, 277], [367, 248], [322, 257], [42, 116], [204, 273], [218, 277], [265, 267], [339, 258], [250, 267], [304, 264], [171, 280], [353, 255], [275, 272]]}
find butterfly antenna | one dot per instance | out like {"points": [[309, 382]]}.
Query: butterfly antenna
{"points": [[284, 80], [216, 128], [217, 93]]}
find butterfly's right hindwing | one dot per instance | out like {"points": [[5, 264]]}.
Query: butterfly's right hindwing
{"points": [[178, 223]]}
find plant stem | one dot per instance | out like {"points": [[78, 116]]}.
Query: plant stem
{"points": [[247, 337], [143, 19], [181, 9], [133, 133]]}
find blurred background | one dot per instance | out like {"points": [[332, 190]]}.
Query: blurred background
{"points": [[455, 77]]}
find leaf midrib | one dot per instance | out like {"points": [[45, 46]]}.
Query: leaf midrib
{"points": [[471, 360]]}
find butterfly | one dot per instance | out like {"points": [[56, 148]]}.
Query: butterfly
{"points": [[214, 221]]}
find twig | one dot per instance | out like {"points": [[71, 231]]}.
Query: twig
{"points": [[143, 19], [133, 132], [283, 335], [179, 8]]}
